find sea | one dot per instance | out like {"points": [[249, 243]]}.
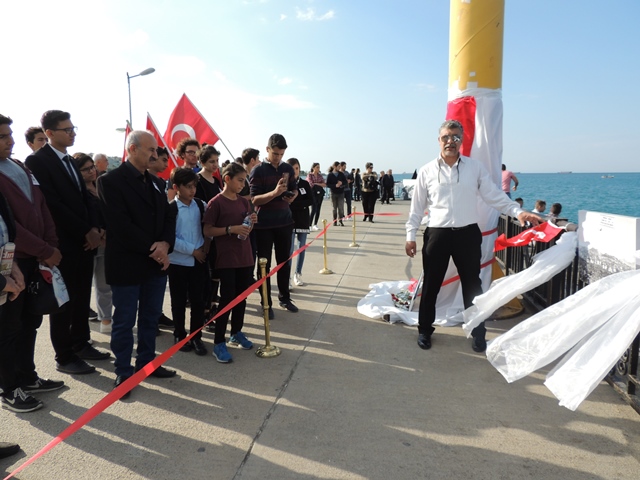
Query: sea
{"points": [[607, 192]]}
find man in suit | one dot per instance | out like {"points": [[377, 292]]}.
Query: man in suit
{"points": [[141, 234], [78, 235]]}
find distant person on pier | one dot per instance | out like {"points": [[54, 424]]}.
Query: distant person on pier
{"points": [[357, 181], [449, 187], [554, 212], [541, 206], [337, 182], [507, 176], [520, 201], [101, 163], [369, 192], [318, 185], [387, 185]]}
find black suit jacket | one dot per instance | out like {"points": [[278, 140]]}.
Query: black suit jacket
{"points": [[135, 220], [71, 208]]}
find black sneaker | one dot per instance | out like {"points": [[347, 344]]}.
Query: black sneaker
{"points": [[93, 315], [288, 305], [44, 385], [20, 402], [91, 353], [165, 321], [77, 367], [7, 449]]}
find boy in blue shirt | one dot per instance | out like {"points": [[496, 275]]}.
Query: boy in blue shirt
{"points": [[187, 269]]}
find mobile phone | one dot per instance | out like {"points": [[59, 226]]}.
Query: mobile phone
{"points": [[285, 177]]}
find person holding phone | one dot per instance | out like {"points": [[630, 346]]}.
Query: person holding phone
{"points": [[273, 188]]}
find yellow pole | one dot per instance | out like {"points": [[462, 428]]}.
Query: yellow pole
{"points": [[353, 220], [268, 350], [325, 270], [475, 44]]}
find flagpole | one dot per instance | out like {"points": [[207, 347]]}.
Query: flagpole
{"points": [[209, 125], [164, 144]]}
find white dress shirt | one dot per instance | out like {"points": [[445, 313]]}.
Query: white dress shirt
{"points": [[451, 194]]}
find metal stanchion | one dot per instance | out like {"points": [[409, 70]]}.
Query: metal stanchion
{"points": [[353, 221], [325, 270], [268, 350]]}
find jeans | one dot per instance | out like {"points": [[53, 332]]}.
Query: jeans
{"points": [[187, 281], [337, 202], [18, 330], [102, 289], [302, 240], [278, 239], [233, 281], [145, 302]]}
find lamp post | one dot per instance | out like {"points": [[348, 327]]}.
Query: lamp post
{"points": [[129, 77]]}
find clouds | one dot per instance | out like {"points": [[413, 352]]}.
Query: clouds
{"points": [[310, 14]]}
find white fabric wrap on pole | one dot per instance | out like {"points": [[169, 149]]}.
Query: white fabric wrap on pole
{"points": [[545, 266], [543, 338], [487, 149]]}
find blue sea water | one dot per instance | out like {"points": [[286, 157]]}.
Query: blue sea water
{"points": [[578, 191]]}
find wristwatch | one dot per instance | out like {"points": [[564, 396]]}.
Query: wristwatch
{"points": [[229, 230]]}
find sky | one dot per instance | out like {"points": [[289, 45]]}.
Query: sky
{"points": [[353, 81]]}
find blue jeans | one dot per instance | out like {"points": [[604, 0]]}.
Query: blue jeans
{"points": [[302, 240], [145, 302]]}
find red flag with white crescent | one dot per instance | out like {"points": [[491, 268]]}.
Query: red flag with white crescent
{"points": [[545, 232], [127, 131], [186, 121], [174, 161]]}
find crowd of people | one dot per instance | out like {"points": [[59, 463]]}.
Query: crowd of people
{"points": [[128, 233]]}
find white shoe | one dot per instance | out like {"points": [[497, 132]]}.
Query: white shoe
{"points": [[314, 228], [297, 279], [105, 327]]}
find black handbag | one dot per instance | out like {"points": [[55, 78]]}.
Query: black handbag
{"points": [[40, 297]]}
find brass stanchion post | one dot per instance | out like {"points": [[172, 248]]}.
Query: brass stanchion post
{"points": [[268, 350], [325, 270], [353, 221]]}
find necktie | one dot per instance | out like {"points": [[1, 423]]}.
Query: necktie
{"points": [[72, 173]]}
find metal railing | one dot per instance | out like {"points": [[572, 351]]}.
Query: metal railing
{"points": [[623, 377]]}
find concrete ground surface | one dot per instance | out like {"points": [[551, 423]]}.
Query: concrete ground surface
{"points": [[349, 398]]}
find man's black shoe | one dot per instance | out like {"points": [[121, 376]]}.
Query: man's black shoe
{"points": [[288, 305], [187, 347], [77, 367], [424, 341], [7, 449], [198, 347], [161, 372], [271, 314], [91, 353], [165, 321], [120, 379], [479, 344]]}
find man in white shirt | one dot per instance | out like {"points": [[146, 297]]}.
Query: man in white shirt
{"points": [[448, 187]]}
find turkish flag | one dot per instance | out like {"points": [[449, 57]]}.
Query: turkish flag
{"points": [[545, 232], [464, 110], [127, 131], [174, 161], [186, 121]]}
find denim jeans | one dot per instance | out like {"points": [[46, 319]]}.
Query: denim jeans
{"points": [[145, 302], [302, 240]]}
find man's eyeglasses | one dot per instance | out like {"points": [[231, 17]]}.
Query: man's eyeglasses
{"points": [[191, 152], [88, 169], [453, 138], [68, 131]]}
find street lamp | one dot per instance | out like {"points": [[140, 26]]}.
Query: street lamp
{"points": [[129, 77]]}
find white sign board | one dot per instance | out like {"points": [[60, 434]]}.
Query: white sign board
{"points": [[607, 244]]}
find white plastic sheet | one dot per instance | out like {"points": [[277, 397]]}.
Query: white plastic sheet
{"points": [[545, 336], [584, 367], [378, 303], [545, 265]]}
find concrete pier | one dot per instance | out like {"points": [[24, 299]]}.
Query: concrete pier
{"points": [[349, 398]]}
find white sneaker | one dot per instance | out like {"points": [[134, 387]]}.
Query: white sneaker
{"points": [[297, 279], [105, 327], [314, 228]]}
